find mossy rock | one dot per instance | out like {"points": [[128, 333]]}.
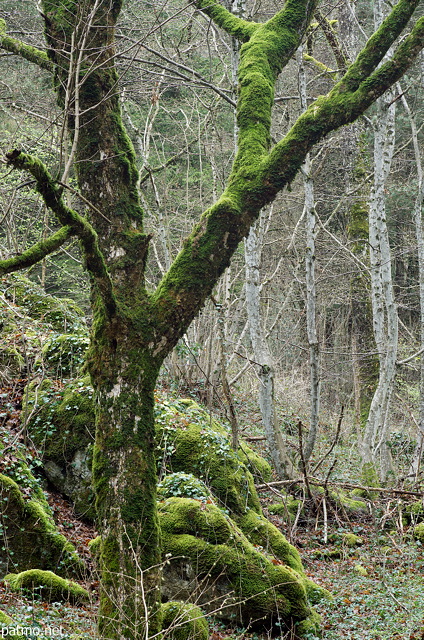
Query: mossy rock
{"points": [[418, 532], [183, 485], [62, 314], [63, 419], [309, 627], [351, 540], [12, 631], [62, 426], [5, 619], [414, 512], [211, 562], [48, 585], [189, 441], [287, 509], [360, 570], [19, 335], [343, 500], [30, 535], [183, 621], [63, 355]]}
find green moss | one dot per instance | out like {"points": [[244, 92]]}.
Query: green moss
{"points": [[286, 509], [263, 533], [182, 621], [258, 466], [233, 25], [351, 540], [4, 618], [360, 570], [341, 499], [31, 535], [310, 626], [51, 587], [419, 532], [95, 546], [264, 593], [369, 475]]}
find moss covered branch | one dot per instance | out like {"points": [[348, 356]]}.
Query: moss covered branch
{"points": [[37, 252], [340, 54], [231, 24], [379, 44], [336, 109], [52, 196], [12, 45], [258, 175]]}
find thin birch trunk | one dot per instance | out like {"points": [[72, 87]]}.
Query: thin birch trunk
{"points": [[385, 318], [262, 355], [311, 314], [419, 232]]}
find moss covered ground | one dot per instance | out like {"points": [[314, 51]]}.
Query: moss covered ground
{"points": [[385, 604], [378, 586]]}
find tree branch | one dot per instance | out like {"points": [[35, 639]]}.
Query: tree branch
{"points": [[37, 252], [23, 50], [257, 175], [231, 24], [379, 44], [52, 196], [339, 51], [208, 250]]}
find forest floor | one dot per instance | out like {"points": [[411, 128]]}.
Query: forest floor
{"points": [[377, 586]]}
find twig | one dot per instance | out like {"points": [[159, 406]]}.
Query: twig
{"points": [[324, 510], [302, 457], [336, 438]]}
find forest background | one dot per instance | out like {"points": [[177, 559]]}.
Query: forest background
{"points": [[341, 336]]}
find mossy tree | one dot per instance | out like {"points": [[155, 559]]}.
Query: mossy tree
{"points": [[134, 328]]}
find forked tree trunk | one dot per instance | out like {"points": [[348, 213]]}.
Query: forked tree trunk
{"points": [[133, 330], [122, 366]]}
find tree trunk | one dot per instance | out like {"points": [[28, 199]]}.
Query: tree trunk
{"points": [[133, 330], [122, 366], [263, 358], [124, 479], [419, 234], [385, 319]]}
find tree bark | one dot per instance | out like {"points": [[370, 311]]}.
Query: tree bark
{"points": [[263, 358], [385, 319], [134, 330]]}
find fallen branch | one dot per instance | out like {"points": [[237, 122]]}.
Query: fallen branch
{"points": [[343, 485]]}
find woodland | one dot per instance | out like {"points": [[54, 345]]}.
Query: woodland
{"points": [[212, 330]]}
